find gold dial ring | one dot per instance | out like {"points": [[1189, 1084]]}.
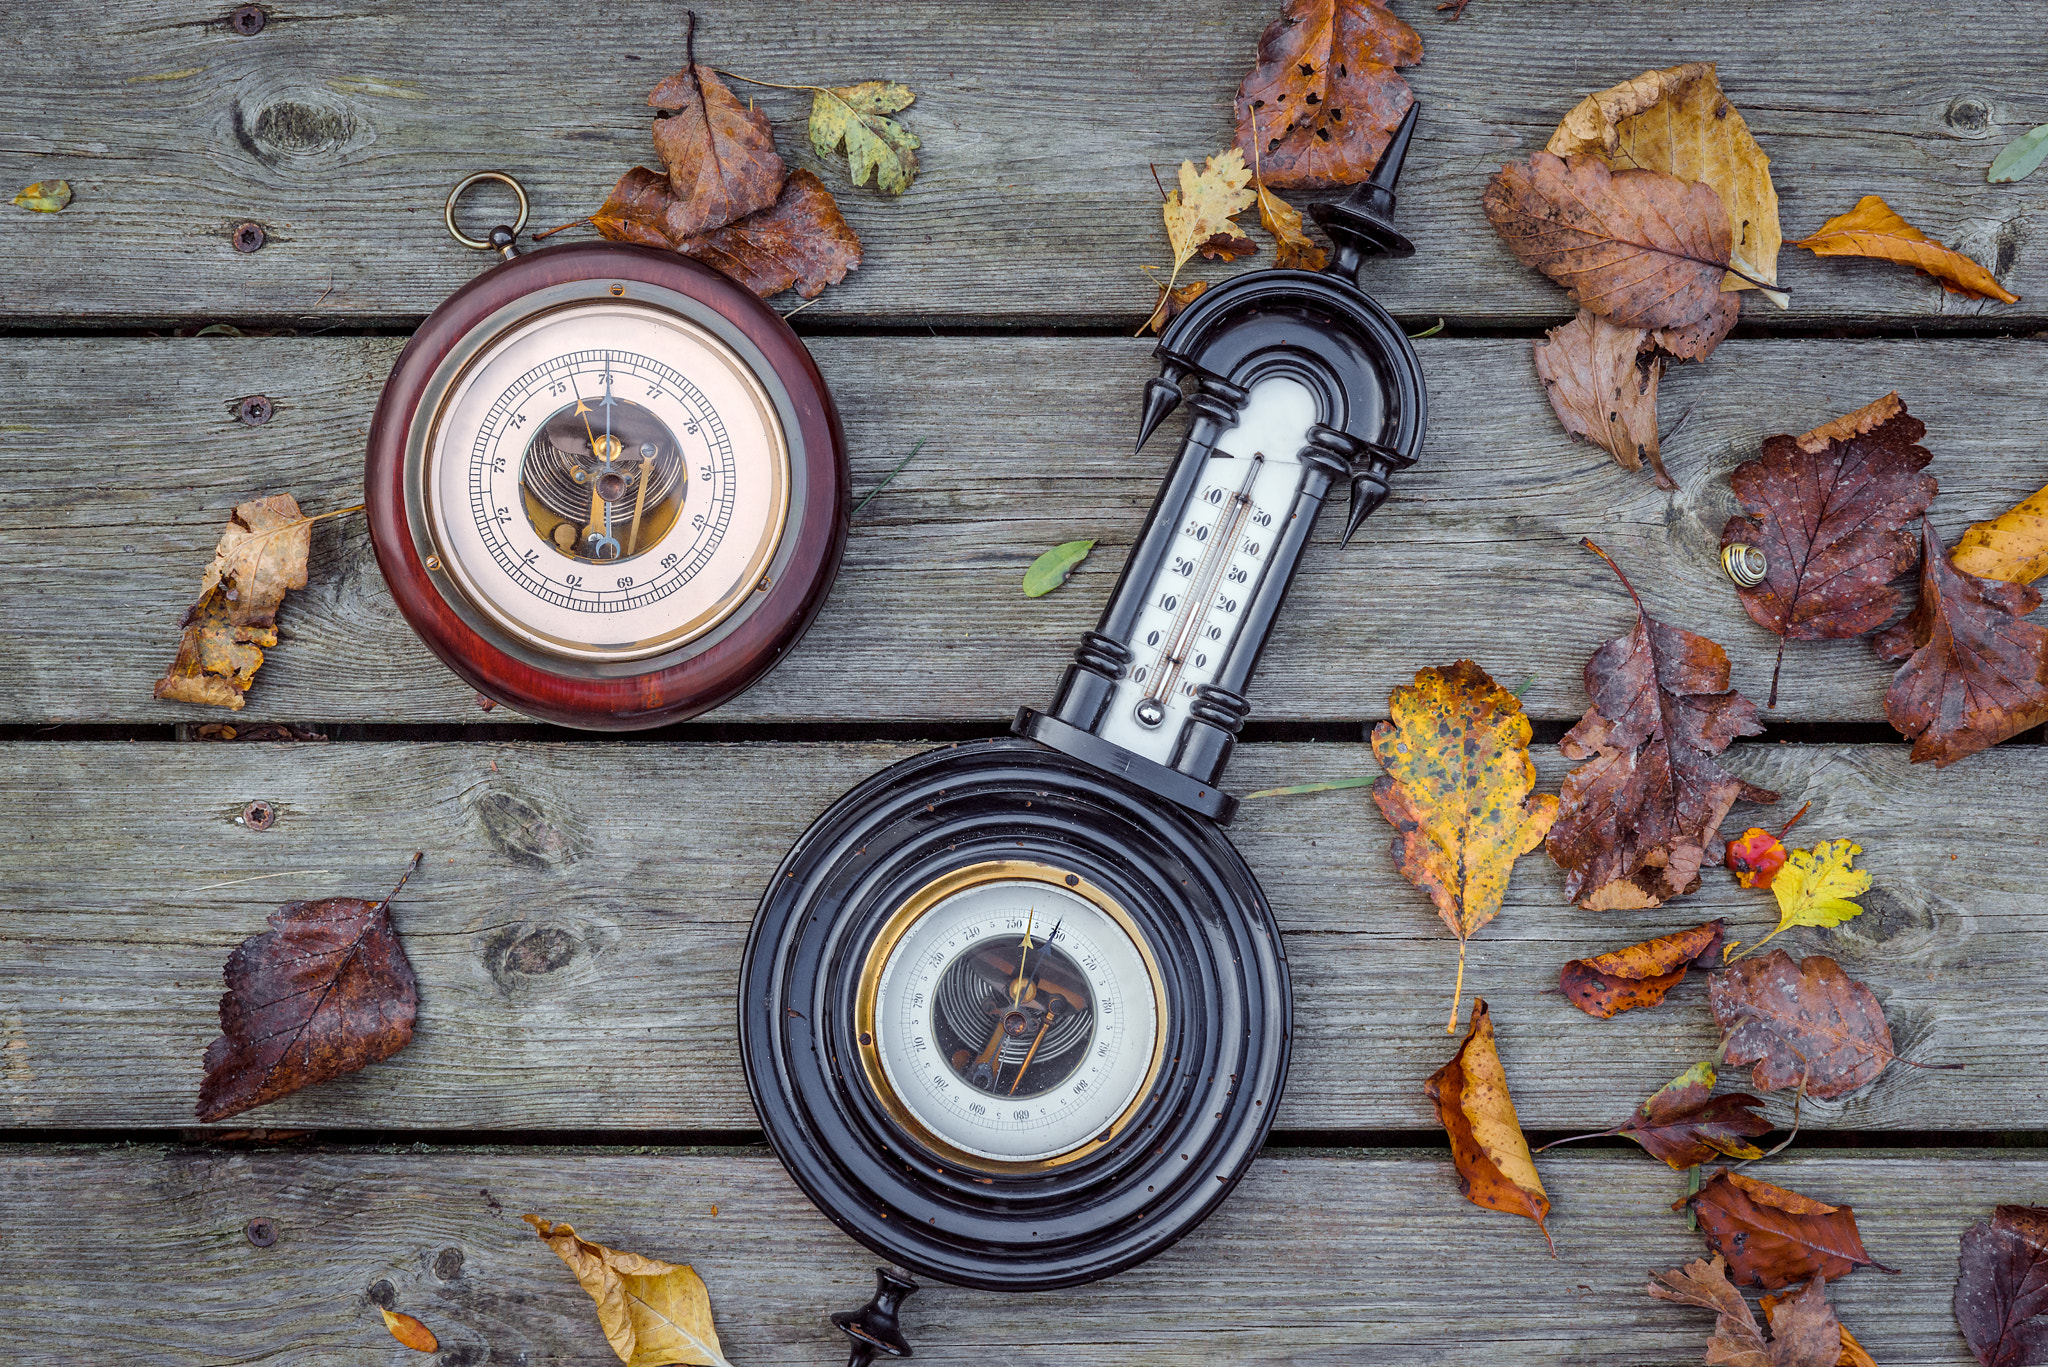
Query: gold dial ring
{"points": [[448, 212]]}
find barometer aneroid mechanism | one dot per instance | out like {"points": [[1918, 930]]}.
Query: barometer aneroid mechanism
{"points": [[606, 484], [1015, 1013]]}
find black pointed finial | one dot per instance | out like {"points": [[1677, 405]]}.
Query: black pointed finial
{"points": [[1369, 484], [1161, 398], [873, 1327], [1362, 223]]}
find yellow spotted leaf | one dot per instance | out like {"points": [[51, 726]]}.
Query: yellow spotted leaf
{"points": [[45, 196], [1814, 887], [1293, 248], [1459, 789], [410, 1331], [1874, 229], [1495, 1169], [877, 145], [2012, 546], [1678, 121], [653, 1313], [1205, 205]]}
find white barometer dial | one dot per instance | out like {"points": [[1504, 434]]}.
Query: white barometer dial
{"points": [[606, 482]]}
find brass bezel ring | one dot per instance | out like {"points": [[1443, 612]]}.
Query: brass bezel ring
{"points": [[448, 210]]}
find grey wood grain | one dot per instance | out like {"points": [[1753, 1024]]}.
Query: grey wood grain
{"points": [[341, 128], [1320, 1257], [121, 460], [578, 923]]}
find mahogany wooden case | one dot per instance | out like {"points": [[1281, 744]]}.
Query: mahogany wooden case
{"points": [[698, 675]]}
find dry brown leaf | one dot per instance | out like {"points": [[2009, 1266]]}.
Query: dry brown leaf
{"points": [[1773, 1237], [1806, 1335], [638, 209], [2001, 1300], [261, 554], [802, 241], [1323, 98], [2012, 546], [1678, 121], [410, 1331], [1602, 383], [1459, 791], [1641, 974], [653, 1313], [1874, 230], [1171, 302], [720, 154], [1852, 1353], [1683, 1124], [1805, 1024], [1492, 1158], [1293, 248]]}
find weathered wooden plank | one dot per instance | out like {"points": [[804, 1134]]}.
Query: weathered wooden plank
{"points": [[578, 923], [1325, 1257], [122, 458], [340, 130]]}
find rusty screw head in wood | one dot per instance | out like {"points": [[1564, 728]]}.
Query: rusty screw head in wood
{"points": [[259, 815], [254, 410], [249, 237], [261, 1231], [248, 20]]}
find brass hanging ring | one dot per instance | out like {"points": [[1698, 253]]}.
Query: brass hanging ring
{"points": [[1744, 564], [448, 212]]}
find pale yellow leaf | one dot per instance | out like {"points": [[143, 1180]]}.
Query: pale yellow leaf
{"points": [[653, 1313], [2013, 545], [1206, 202]]}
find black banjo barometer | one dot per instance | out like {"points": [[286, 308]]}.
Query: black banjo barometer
{"points": [[1015, 1013]]}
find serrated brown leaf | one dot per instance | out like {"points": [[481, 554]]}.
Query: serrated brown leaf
{"points": [[652, 1313], [720, 155], [1601, 379], [1807, 1020], [1806, 1332], [1852, 1353], [1831, 512], [1641, 974], [1639, 248], [2001, 1298], [1974, 673], [1772, 1237], [325, 991], [261, 554], [802, 241], [1495, 1169], [2011, 546], [1324, 96], [1640, 817], [1874, 229]]}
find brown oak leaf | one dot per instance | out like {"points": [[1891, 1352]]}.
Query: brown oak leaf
{"points": [[1799, 1021], [1640, 248], [1806, 1334], [1324, 96], [1492, 1157], [325, 991], [1974, 673], [1830, 512], [2001, 1296], [720, 155], [1641, 974], [1772, 1237], [802, 241], [261, 554], [1874, 229], [1602, 382], [1852, 1354], [1640, 817]]}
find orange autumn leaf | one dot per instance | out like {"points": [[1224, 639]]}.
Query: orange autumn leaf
{"points": [[410, 1331], [1495, 1169], [1641, 974], [1773, 1237], [1874, 229], [2012, 546]]}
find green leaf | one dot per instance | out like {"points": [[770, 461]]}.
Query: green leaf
{"points": [[48, 196], [1051, 570], [2015, 161], [1329, 787], [876, 145]]}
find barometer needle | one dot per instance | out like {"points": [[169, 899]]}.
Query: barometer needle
{"points": [[1031, 1053]]}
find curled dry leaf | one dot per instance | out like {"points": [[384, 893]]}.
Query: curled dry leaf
{"points": [[1873, 229], [1684, 1124], [1459, 791], [802, 240], [1807, 1334], [325, 991], [261, 554], [1293, 248], [1806, 1021], [639, 210], [2012, 546], [1814, 887], [1639, 248], [1852, 1354], [653, 1313], [2001, 1296], [1471, 1096], [1640, 975], [1974, 672], [720, 155], [856, 116], [1678, 121], [1640, 817], [1772, 1237], [44, 196], [1602, 382], [1830, 511], [410, 1331], [1200, 214], [1171, 302], [1324, 96]]}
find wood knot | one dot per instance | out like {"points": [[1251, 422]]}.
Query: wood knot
{"points": [[1968, 115], [516, 954], [308, 127], [527, 831]]}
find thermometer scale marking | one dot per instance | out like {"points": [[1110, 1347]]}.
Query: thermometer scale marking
{"points": [[1180, 643]]}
